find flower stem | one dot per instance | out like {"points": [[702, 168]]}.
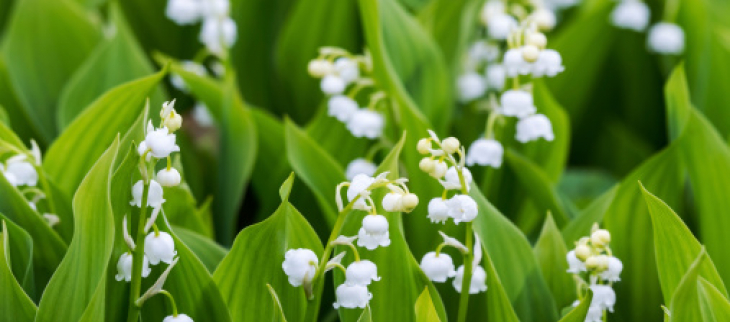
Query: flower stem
{"points": [[138, 259]]}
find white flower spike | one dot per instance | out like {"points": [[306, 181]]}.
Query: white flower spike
{"points": [[374, 232], [361, 273], [352, 296], [438, 268], [485, 152], [159, 248], [300, 265]]}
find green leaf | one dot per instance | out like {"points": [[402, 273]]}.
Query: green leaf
{"points": [[684, 305], [278, 315], [715, 306], [676, 248], [83, 269], [499, 308], [45, 42], [550, 251], [71, 156], [579, 313], [425, 311], [15, 305], [402, 280], [209, 253], [256, 251], [113, 62], [517, 266]]}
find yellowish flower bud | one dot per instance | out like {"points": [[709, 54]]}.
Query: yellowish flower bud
{"points": [[424, 146], [450, 145], [530, 53]]}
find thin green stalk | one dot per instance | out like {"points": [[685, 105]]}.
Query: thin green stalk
{"points": [[138, 259]]}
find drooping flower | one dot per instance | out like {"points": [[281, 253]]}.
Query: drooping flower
{"points": [[575, 265], [178, 318], [332, 85], [517, 103], [485, 152], [438, 211], [613, 272], [154, 195], [168, 178], [478, 280], [451, 179], [300, 265], [360, 166], [160, 143], [184, 12], [366, 123], [374, 232], [471, 86], [159, 247], [549, 63], [361, 273], [631, 14], [438, 268], [534, 127], [124, 267], [462, 208], [352, 296], [666, 38]]}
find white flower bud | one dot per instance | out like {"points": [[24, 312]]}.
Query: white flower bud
{"points": [[631, 14], [360, 166], [159, 248], [366, 123], [361, 273], [478, 280], [438, 210], [450, 145], [332, 85], [462, 208], [600, 238], [124, 267], [154, 195], [320, 67], [341, 107], [575, 265], [666, 38], [352, 296], [537, 39], [453, 182], [178, 318], [183, 12], [438, 268], [485, 152], [300, 265], [374, 232], [471, 86], [613, 271], [534, 127], [168, 178], [424, 146]]}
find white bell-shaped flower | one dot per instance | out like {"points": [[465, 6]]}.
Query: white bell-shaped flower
{"points": [[631, 14], [575, 265], [478, 280], [549, 63], [438, 268], [485, 152], [178, 318], [500, 26], [517, 103], [168, 178], [666, 38], [451, 179], [347, 69], [462, 208], [374, 232], [20, 172], [332, 85], [218, 33], [184, 12], [471, 86], [496, 76], [361, 273], [154, 195], [341, 107], [534, 127], [124, 267], [300, 265], [360, 166], [515, 64], [438, 210], [359, 187], [352, 296], [366, 123], [160, 143], [603, 297], [613, 272], [159, 248]]}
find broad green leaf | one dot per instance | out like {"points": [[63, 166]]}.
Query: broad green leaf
{"points": [[517, 266], [676, 248], [402, 280], [579, 313], [715, 306], [45, 42], [74, 152], [550, 251], [209, 253], [425, 311], [113, 62], [255, 261], [15, 305], [84, 266], [499, 308], [278, 315], [684, 305]]}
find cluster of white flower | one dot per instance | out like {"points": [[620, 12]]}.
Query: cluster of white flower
{"points": [[159, 246], [218, 32], [594, 265], [664, 37], [525, 56], [338, 70], [302, 266], [453, 175], [21, 171]]}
